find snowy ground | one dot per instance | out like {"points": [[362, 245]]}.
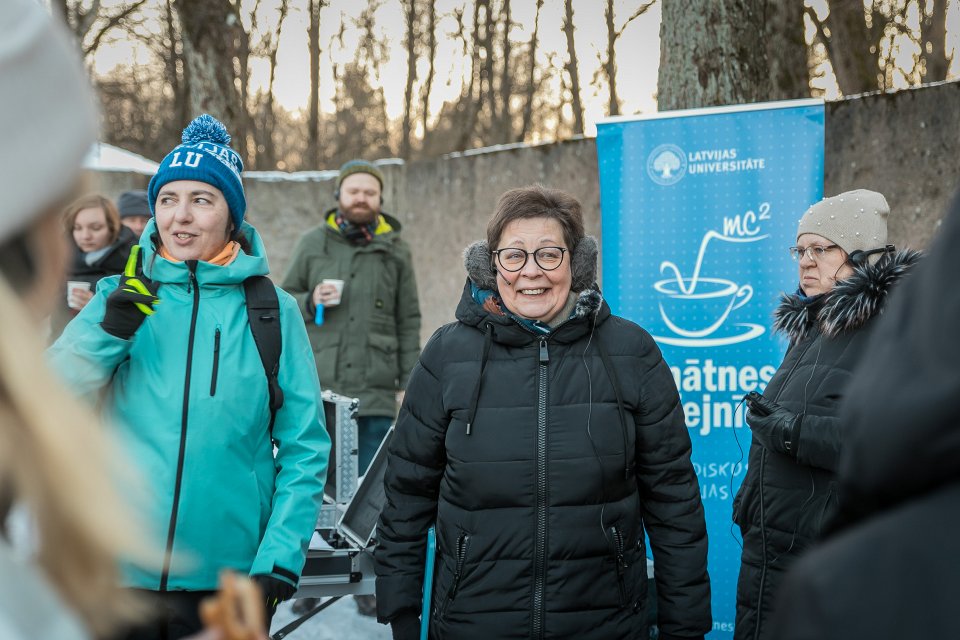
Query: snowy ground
{"points": [[338, 622]]}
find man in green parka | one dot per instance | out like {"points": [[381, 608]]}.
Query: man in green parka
{"points": [[366, 336]]}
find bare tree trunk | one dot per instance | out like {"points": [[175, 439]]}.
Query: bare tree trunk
{"points": [[712, 56], [848, 46], [786, 50], [432, 54], [933, 41], [269, 156], [610, 65], [504, 127], [531, 88], [468, 104], [572, 66], [410, 43], [313, 119], [486, 71], [177, 75], [208, 54]]}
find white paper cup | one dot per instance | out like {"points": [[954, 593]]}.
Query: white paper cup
{"points": [[73, 285], [339, 285]]}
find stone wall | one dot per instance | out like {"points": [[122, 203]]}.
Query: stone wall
{"points": [[903, 144]]}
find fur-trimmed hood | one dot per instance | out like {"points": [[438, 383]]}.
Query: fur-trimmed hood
{"points": [[477, 260], [852, 303]]}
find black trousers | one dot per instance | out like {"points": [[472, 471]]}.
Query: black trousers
{"points": [[174, 615]]}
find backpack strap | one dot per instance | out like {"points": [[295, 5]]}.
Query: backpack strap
{"points": [[263, 311]]}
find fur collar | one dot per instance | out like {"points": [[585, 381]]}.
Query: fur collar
{"points": [[849, 305]]}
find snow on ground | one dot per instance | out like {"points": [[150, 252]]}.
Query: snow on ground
{"points": [[340, 621]]}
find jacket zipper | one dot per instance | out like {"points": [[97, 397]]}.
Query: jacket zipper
{"points": [[763, 524], [539, 561], [171, 531], [216, 362], [621, 564], [462, 541]]}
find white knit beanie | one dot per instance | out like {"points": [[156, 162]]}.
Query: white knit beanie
{"points": [[854, 220], [47, 118]]}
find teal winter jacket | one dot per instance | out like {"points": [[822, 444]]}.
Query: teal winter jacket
{"points": [[188, 396]]}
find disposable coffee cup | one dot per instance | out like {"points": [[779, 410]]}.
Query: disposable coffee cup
{"points": [[339, 286], [74, 285]]}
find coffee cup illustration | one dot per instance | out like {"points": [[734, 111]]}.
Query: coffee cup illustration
{"points": [[696, 307]]}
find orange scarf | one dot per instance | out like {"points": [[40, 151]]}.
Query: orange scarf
{"points": [[227, 255]]}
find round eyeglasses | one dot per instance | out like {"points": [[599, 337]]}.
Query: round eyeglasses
{"points": [[814, 252], [547, 258]]}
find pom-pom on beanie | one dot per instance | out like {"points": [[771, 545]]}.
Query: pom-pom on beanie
{"points": [[205, 156], [853, 220]]}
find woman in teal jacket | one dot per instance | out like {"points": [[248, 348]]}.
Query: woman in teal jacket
{"points": [[185, 386]]}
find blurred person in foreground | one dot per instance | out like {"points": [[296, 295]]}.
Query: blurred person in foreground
{"points": [[134, 210], [100, 246], [888, 569], [543, 436], [59, 576], [169, 347], [846, 272]]}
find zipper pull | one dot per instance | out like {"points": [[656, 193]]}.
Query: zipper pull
{"points": [[544, 354]]}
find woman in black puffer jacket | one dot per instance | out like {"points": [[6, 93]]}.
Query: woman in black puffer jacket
{"points": [[100, 248], [846, 273], [542, 435]]}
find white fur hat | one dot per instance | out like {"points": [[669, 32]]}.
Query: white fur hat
{"points": [[47, 118]]}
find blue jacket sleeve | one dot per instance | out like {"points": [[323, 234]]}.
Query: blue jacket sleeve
{"points": [[85, 356], [303, 449]]}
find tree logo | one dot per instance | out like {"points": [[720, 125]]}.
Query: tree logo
{"points": [[667, 164]]}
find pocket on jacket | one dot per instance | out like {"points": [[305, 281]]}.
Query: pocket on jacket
{"points": [[455, 567], [629, 569], [383, 366]]}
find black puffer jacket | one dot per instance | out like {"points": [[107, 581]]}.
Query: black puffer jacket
{"points": [[540, 487], [110, 263], [785, 500], [889, 568]]}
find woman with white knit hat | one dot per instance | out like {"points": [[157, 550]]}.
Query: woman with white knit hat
{"points": [[846, 271]]}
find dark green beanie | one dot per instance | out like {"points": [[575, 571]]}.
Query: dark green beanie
{"points": [[359, 166]]}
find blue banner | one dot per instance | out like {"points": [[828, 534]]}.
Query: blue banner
{"points": [[698, 210]]}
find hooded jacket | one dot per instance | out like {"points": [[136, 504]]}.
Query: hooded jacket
{"points": [[888, 568], [188, 398], [785, 500], [368, 343], [542, 459]]}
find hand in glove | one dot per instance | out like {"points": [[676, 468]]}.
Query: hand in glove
{"points": [[275, 590], [131, 302], [772, 425], [406, 626]]}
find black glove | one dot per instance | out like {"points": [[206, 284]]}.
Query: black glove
{"points": [[274, 590], [773, 426], [131, 302], [406, 626]]}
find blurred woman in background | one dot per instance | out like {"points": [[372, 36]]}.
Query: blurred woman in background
{"points": [[100, 246], [61, 522], [846, 270]]}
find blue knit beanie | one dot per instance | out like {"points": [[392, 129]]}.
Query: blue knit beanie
{"points": [[204, 156]]}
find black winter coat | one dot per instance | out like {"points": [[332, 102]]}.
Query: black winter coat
{"points": [[109, 264], [889, 568], [540, 487], [785, 500]]}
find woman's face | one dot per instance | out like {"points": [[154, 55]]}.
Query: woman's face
{"points": [[193, 219], [531, 292], [819, 275], [90, 229]]}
